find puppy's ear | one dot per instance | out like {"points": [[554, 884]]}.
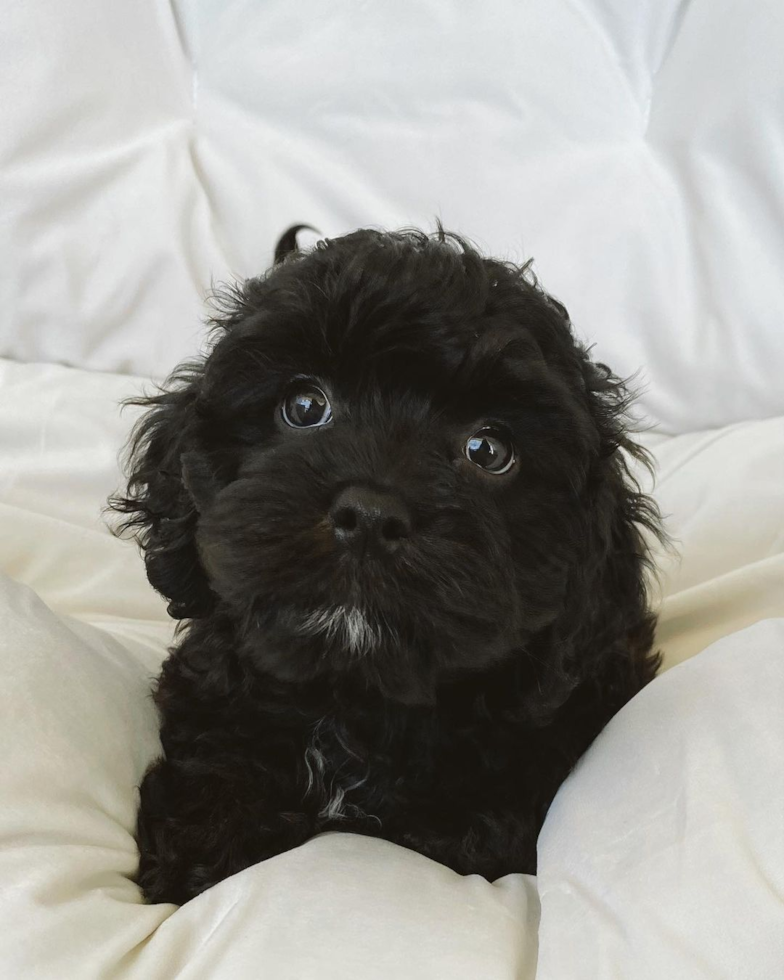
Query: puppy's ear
{"points": [[287, 243], [199, 480], [167, 485], [623, 523], [609, 401]]}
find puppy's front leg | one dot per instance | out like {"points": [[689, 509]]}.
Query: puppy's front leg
{"points": [[200, 822]]}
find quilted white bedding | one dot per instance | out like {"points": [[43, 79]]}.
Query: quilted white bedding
{"points": [[635, 148]]}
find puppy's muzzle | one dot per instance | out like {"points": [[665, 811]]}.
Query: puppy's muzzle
{"points": [[370, 523]]}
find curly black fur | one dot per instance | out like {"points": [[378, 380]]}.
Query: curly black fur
{"points": [[497, 640]]}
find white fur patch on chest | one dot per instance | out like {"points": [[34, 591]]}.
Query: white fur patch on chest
{"points": [[325, 787]]}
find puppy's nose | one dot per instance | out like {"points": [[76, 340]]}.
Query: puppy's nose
{"points": [[367, 521]]}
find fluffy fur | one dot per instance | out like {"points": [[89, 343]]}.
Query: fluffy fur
{"points": [[436, 695]]}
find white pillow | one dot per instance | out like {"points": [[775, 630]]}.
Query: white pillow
{"points": [[722, 495], [78, 729], [662, 857], [663, 854], [636, 150]]}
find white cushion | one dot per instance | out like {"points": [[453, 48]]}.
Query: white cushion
{"points": [[79, 729], [635, 149], [722, 496], [663, 854]]}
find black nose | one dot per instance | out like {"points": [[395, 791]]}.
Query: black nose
{"points": [[369, 522]]}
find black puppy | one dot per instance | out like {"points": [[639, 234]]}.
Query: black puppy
{"points": [[392, 506]]}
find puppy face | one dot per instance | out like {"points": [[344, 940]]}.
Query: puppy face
{"points": [[393, 465]]}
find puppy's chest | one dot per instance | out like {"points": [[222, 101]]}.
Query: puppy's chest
{"points": [[344, 778], [350, 778]]}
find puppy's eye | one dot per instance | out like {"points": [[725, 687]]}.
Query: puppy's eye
{"points": [[491, 450], [306, 407]]}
